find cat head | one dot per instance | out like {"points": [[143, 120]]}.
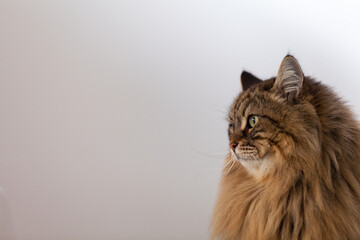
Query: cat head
{"points": [[272, 123]]}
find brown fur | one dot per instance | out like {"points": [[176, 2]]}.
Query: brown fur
{"points": [[311, 188]]}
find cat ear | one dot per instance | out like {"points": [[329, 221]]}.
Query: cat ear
{"points": [[290, 78], [247, 80]]}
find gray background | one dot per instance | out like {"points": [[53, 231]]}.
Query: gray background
{"points": [[112, 113]]}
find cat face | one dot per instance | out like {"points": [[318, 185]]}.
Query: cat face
{"points": [[268, 119]]}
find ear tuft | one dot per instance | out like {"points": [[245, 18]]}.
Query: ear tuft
{"points": [[290, 78], [248, 80]]}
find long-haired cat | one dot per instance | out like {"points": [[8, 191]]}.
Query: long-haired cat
{"points": [[293, 168]]}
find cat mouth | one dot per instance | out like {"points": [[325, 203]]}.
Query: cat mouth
{"points": [[246, 153]]}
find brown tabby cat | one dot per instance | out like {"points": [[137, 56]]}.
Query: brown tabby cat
{"points": [[293, 169]]}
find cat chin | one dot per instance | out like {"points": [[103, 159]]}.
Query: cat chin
{"points": [[256, 167]]}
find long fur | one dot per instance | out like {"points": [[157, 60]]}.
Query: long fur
{"points": [[312, 188]]}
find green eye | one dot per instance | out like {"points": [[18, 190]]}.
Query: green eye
{"points": [[253, 120]]}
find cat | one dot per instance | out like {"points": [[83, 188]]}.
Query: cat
{"points": [[293, 168]]}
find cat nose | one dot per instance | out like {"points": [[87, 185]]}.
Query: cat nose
{"points": [[233, 146]]}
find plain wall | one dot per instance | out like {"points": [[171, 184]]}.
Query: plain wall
{"points": [[112, 113]]}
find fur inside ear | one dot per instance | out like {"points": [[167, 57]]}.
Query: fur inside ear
{"points": [[247, 80], [290, 78]]}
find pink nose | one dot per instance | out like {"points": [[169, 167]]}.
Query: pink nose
{"points": [[233, 146]]}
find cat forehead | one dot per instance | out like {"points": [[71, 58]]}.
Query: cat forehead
{"points": [[244, 101], [255, 102]]}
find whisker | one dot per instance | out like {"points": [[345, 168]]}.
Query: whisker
{"points": [[230, 167], [223, 171], [213, 156], [227, 164]]}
